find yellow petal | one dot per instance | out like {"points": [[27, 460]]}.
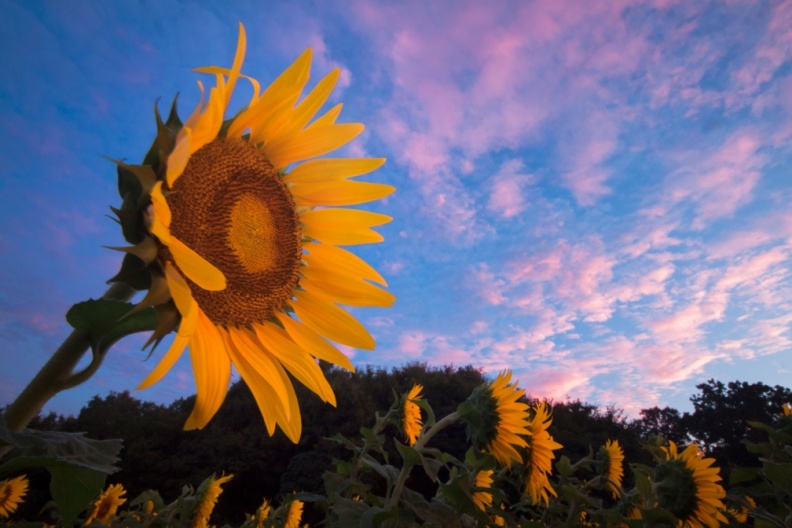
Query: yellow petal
{"points": [[239, 58], [287, 86], [195, 267], [207, 127], [329, 117], [308, 107], [330, 321], [259, 358], [162, 212], [339, 287], [310, 143], [178, 158], [297, 361], [269, 403], [339, 193], [313, 343], [188, 309], [325, 256], [329, 169], [212, 371], [342, 226]]}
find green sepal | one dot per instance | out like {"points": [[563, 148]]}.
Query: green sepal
{"points": [[128, 183], [166, 135], [130, 219], [102, 321], [134, 273], [73, 488]]}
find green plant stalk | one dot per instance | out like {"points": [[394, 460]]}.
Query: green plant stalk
{"points": [[58, 373], [422, 441]]}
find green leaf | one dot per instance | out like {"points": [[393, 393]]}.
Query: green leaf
{"points": [[780, 474], [643, 484], [102, 321], [742, 474], [73, 488], [58, 449], [409, 454]]}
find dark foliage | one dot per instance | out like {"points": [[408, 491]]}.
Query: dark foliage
{"points": [[159, 454]]}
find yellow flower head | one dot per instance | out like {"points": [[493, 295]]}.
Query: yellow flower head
{"points": [[613, 457], [786, 409], [209, 492], [483, 499], [294, 514], [240, 236], [106, 506], [688, 487], [539, 456], [411, 419], [12, 492], [496, 419], [262, 513]]}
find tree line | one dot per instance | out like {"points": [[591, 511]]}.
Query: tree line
{"points": [[158, 454]]}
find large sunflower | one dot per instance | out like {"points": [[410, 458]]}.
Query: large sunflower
{"points": [[240, 241], [539, 457], [688, 487]]}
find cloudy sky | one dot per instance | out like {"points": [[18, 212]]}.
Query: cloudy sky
{"points": [[594, 194]]}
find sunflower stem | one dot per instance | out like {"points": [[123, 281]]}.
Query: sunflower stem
{"points": [[419, 444], [57, 374]]}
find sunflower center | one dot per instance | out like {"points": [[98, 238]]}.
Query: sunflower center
{"points": [[231, 207]]}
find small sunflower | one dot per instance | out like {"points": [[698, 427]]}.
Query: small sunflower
{"points": [[613, 457], [209, 492], [483, 499], [411, 419], [496, 419], [786, 409], [539, 456], [262, 513], [688, 487], [12, 493], [294, 514], [236, 231], [106, 506]]}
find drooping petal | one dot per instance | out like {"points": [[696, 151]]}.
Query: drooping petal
{"points": [[329, 320], [188, 308], [212, 371], [296, 360], [197, 269], [313, 343]]}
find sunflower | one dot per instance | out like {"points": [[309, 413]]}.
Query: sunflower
{"points": [[106, 505], [236, 232], [539, 456], [12, 491], [483, 499], [688, 487], [496, 419], [294, 514], [209, 492], [613, 457], [786, 410], [411, 419], [262, 513]]}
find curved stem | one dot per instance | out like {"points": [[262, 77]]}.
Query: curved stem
{"points": [[56, 374], [422, 441]]}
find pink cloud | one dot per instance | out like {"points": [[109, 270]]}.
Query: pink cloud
{"points": [[506, 198]]}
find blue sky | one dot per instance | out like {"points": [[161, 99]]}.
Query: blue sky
{"points": [[594, 194]]}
